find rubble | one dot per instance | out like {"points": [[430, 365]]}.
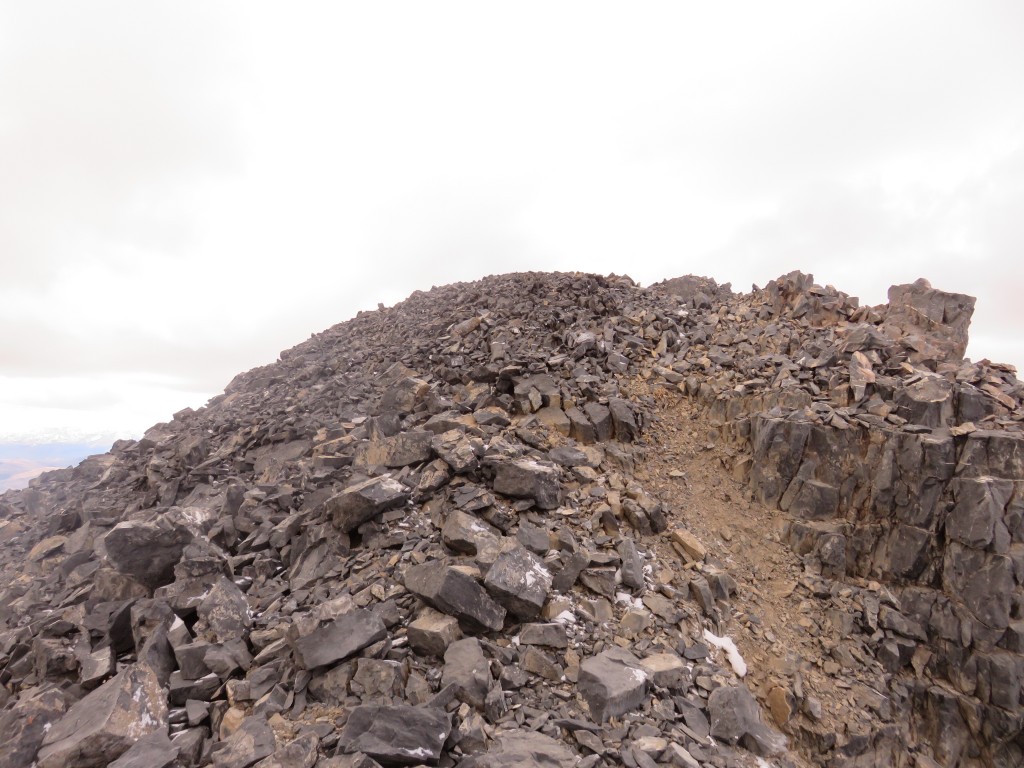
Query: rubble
{"points": [[545, 520]]}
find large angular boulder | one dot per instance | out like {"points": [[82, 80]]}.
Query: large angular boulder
{"points": [[528, 479], [339, 639], [363, 501], [520, 582], [456, 593], [25, 723], [736, 718], [146, 551], [613, 683], [466, 667], [396, 735], [224, 612], [154, 750], [102, 726], [399, 450]]}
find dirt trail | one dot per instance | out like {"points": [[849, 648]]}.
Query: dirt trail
{"points": [[821, 687]]}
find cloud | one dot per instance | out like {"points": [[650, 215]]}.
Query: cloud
{"points": [[112, 111]]}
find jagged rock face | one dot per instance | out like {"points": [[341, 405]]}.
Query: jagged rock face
{"points": [[419, 539]]}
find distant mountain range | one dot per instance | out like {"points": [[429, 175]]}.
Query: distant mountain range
{"points": [[22, 461]]}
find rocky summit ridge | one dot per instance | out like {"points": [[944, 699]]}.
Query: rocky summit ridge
{"points": [[545, 521]]}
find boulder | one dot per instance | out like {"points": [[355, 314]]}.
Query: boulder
{"points": [[252, 741], [363, 501], [520, 582], [467, 669], [524, 749], [396, 735], [612, 683], [529, 479], [102, 726], [146, 551], [339, 639], [456, 593]]}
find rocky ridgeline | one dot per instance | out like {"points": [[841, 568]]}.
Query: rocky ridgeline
{"points": [[418, 539], [894, 461]]}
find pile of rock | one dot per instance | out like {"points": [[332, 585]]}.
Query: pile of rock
{"points": [[418, 538]]}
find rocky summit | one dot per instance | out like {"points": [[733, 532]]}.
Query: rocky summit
{"points": [[545, 521]]}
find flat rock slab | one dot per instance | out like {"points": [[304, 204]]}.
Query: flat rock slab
{"points": [[456, 593], [363, 501], [527, 479], [613, 683], [102, 726], [339, 639], [398, 735], [524, 749]]}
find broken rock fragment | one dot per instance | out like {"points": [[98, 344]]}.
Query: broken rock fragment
{"points": [[397, 735], [339, 639], [100, 727], [520, 582], [736, 718], [528, 479], [364, 501], [252, 741], [145, 551], [613, 683], [524, 749], [456, 593]]}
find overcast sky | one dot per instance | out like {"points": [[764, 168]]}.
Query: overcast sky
{"points": [[188, 188]]}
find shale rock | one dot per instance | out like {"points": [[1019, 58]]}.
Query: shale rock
{"points": [[397, 736], [104, 724]]}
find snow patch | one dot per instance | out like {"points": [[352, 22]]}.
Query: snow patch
{"points": [[732, 653]]}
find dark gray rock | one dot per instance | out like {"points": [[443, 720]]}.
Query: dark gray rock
{"points": [[146, 551], [24, 724], [736, 718], [528, 479], [251, 742], [551, 635], [466, 668], [339, 639], [297, 753], [524, 749], [224, 612], [612, 683], [154, 750], [432, 632], [456, 593], [632, 564], [363, 501], [396, 735], [103, 725], [520, 582]]}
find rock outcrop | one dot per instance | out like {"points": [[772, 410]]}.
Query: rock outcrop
{"points": [[422, 537]]}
